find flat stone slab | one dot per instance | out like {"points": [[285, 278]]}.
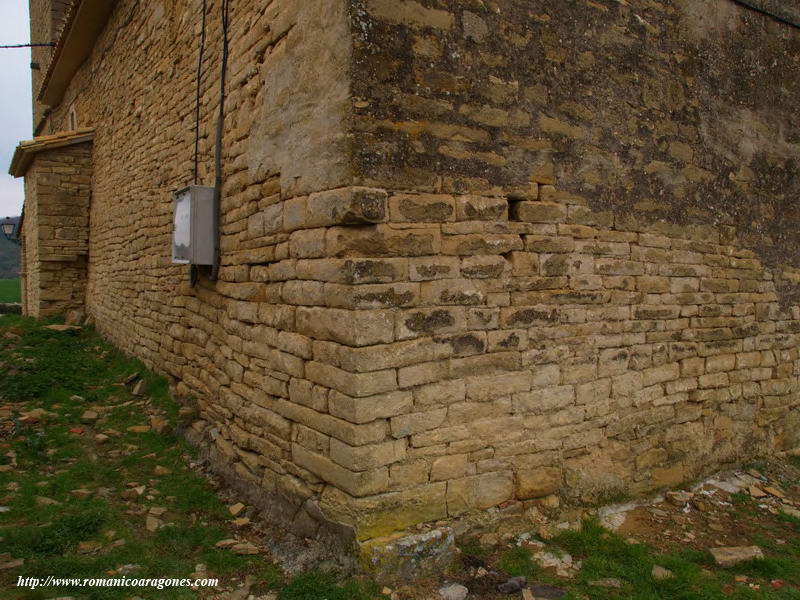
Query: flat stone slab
{"points": [[62, 328], [454, 591], [613, 516], [405, 557], [733, 555], [547, 592]]}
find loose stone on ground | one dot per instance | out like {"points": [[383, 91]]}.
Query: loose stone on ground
{"points": [[731, 556]]}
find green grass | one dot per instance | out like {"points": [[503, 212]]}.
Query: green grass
{"points": [[607, 555], [472, 547], [319, 586], [793, 521], [66, 373], [9, 290], [519, 562]]}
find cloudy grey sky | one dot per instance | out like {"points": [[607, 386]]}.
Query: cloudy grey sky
{"points": [[15, 98]]}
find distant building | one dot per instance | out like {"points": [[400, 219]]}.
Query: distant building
{"points": [[472, 255]]}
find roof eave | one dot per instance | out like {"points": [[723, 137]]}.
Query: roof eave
{"points": [[84, 24], [26, 151]]}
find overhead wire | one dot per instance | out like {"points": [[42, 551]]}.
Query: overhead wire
{"points": [[45, 45]]}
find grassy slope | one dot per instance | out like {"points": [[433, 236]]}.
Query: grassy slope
{"points": [[66, 373], [606, 555], [9, 290]]}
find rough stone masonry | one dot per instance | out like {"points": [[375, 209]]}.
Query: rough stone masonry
{"points": [[474, 253]]}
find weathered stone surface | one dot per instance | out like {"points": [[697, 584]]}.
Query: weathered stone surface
{"points": [[449, 467], [370, 408], [659, 572], [538, 482], [410, 557], [479, 492], [733, 555], [364, 458], [346, 206], [382, 515], [453, 591], [359, 328], [365, 483]]}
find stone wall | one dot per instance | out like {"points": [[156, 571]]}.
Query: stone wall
{"points": [[547, 348], [234, 345], [608, 334], [679, 110], [29, 238], [412, 321], [56, 230]]}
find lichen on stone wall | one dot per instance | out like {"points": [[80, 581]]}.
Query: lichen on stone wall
{"points": [[681, 111]]}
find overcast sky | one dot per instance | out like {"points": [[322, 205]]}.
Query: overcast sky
{"points": [[15, 99]]}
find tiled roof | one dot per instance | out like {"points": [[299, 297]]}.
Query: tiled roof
{"points": [[68, 6], [69, 18], [83, 23], [25, 152]]}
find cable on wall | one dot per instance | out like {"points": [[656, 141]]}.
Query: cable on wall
{"points": [[194, 272], [199, 92], [226, 5]]}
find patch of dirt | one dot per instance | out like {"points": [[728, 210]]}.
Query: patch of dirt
{"points": [[728, 510]]}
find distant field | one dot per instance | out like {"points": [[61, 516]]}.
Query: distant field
{"points": [[9, 290]]}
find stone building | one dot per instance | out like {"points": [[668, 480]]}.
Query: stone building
{"points": [[473, 254]]}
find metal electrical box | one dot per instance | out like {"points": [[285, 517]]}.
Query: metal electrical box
{"points": [[193, 232]]}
